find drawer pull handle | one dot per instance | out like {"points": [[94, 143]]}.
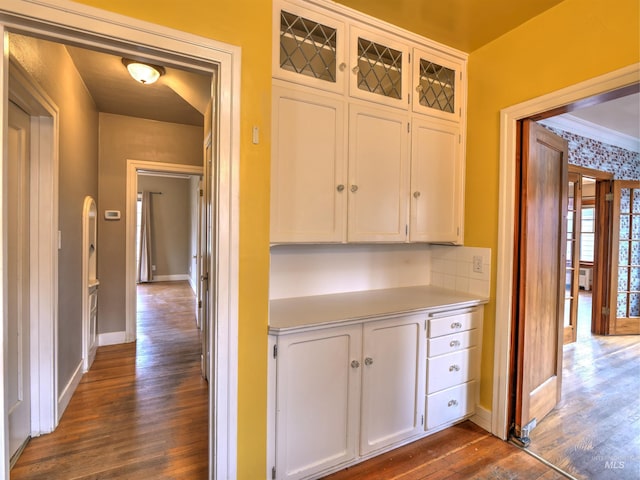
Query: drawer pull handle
{"points": [[455, 325], [452, 403], [355, 364], [454, 368], [368, 361], [454, 343]]}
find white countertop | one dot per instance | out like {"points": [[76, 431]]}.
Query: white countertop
{"points": [[293, 314]]}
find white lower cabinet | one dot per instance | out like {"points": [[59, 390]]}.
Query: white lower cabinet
{"points": [[453, 365], [317, 400], [348, 392], [392, 382], [338, 385]]}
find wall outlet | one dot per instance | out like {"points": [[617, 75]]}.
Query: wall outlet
{"points": [[153, 268], [477, 263]]}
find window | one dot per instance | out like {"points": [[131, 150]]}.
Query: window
{"points": [[587, 234]]}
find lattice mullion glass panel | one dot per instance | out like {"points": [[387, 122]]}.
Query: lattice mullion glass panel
{"points": [[436, 87], [379, 69], [307, 47]]}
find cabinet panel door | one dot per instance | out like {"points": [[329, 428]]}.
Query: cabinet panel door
{"points": [[379, 68], [437, 182], [308, 203], [378, 175], [317, 400], [308, 47], [437, 86], [393, 374]]}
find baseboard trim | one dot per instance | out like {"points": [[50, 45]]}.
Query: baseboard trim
{"points": [[111, 338], [171, 278], [69, 390], [482, 418]]}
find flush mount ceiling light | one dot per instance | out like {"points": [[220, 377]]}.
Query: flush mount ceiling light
{"points": [[144, 73]]}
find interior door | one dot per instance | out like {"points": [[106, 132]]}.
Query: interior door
{"points": [[625, 279], [204, 308], [18, 396], [541, 278], [572, 284]]}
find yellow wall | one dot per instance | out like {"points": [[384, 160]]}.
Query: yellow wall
{"points": [[246, 23], [572, 42]]}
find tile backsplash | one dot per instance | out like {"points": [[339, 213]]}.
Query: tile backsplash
{"points": [[452, 268]]}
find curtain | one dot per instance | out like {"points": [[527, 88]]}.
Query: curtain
{"points": [[144, 264]]}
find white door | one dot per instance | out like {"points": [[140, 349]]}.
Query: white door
{"points": [[18, 384], [378, 175], [436, 182], [317, 400], [393, 378], [206, 242]]}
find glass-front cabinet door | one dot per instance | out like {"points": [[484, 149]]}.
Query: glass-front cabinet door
{"points": [[378, 68], [309, 48], [436, 86]]}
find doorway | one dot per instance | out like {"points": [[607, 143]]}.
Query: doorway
{"points": [[56, 21], [625, 82]]}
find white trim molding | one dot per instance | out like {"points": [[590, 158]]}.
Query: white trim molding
{"points": [[89, 27], [44, 114], [69, 390], [111, 338], [133, 167], [507, 195]]}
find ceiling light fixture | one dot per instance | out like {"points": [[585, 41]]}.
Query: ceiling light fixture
{"points": [[144, 73]]}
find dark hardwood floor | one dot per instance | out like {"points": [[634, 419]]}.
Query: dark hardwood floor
{"points": [[462, 452], [594, 432], [141, 412]]}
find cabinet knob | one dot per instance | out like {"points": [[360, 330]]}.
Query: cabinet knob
{"points": [[342, 66], [340, 188], [454, 343], [355, 364], [419, 88], [452, 403], [455, 325], [454, 368], [368, 361], [354, 188], [416, 194], [355, 69]]}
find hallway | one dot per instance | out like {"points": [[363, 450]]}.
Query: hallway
{"points": [[141, 412]]}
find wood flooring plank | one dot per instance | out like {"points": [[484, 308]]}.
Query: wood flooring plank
{"points": [[141, 412]]}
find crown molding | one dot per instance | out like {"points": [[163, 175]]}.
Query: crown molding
{"points": [[572, 124]]}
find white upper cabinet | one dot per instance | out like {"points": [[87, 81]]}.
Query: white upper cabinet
{"points": [[308, 166], [345, 166], [437, 182], [379, 68], [378, 175], [309, 47], [437, 85]]}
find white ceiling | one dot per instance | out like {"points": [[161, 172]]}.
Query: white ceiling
{"points": [[179, 96]]}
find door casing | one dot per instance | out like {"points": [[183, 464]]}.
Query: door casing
{"points": [[509, 117], [61, 20]]}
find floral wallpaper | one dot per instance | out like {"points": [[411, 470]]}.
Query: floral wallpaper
{"points": [[584, 152], [624, 165]]}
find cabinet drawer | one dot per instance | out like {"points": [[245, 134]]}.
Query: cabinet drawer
{"points": [[448, 370], [452, 343], [453, 323], [450, 405]]}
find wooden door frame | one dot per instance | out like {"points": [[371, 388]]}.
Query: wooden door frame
{"points": [[550, 104], [62, 20]]}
